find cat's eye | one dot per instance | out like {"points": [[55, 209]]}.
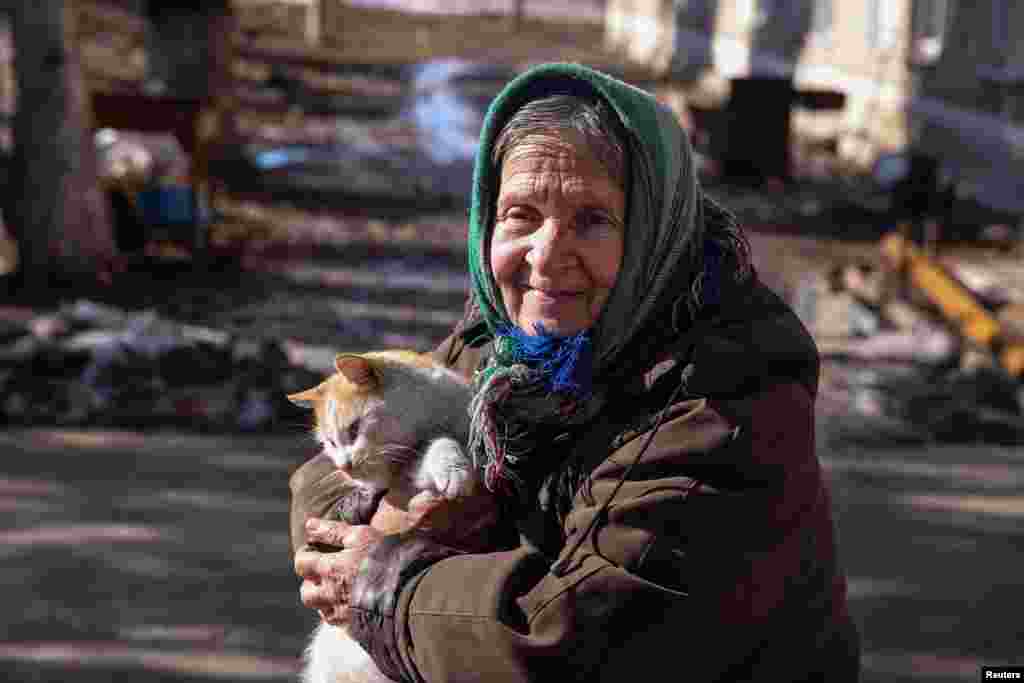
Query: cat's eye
{"points": [[353, 430]]}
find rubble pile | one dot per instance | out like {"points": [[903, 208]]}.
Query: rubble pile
{"points": [[897, 371], [92, 364]]}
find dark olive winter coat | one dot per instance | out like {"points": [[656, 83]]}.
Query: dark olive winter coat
{"points": [[711, 559]]}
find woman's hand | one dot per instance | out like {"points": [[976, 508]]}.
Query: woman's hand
{"points": [[461, 523], [328, 576]]}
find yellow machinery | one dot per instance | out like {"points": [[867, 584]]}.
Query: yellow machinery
{"points": [[954, 301]]}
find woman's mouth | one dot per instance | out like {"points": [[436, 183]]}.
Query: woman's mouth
{"points": [[561, 310], [551, 296]]}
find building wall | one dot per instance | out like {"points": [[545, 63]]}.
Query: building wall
{"points": [[963, 104], [641, 30], [969, 103], [742, 38], [862, 52]]}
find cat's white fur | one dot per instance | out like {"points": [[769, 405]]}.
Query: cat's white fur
{"points": [[401, 400], [333, 657]]}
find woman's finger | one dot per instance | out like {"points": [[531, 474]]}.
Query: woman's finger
{"points": [[315, 596], [336, 616], [425, 502], [361, 536], [329, 585], [326, 531], [307, 565]]}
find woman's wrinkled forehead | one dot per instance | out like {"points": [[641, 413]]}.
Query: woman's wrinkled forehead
{"points": [[585, 127], [543, 163]]}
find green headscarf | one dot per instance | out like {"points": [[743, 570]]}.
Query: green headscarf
{"points": [[658, 289]]}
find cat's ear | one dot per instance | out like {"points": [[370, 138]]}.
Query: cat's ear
{"points": [[357, 369], [305, 399]]}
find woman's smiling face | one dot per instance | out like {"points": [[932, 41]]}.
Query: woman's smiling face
{"points": [[558, 237]]}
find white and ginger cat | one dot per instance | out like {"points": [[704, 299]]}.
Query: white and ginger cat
{"points": [[394, 421]]}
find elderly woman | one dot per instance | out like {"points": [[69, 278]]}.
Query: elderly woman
{"points": [[644, 416]]}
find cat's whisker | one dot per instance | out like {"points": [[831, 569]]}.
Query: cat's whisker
{"points": [[398, 450], [396, 453]]}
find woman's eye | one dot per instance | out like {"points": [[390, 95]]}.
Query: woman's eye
{"points": [[520, 213], [517, 217], [593, 221]]}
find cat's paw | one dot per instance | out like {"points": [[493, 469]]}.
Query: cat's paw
{"points": [[455, 484], [446, 470]]}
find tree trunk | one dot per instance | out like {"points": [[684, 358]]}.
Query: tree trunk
{"points": [[87, 232], [54, 210]]}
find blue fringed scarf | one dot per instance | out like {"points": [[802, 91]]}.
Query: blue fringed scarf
{"points": [[565, 363], [529, 380]]}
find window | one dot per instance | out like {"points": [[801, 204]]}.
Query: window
{"points": [[881, 23], [873, 35], [754, 13], [746, 12], [821, 20], [928, 26], [1001, 28]]}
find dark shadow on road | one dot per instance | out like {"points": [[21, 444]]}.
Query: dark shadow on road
{"points": [[161, 555], [929, 538]]}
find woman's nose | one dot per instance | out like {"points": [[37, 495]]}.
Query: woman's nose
{"points": [[550, 248]]}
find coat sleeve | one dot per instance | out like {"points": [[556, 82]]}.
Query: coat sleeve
{"points": [[676, 573], [318, 489]]}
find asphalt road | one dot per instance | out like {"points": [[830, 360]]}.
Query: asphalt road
{"points": [[144, 558], [931, 540], [164, 557]]}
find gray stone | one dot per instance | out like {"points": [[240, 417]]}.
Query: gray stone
{"points": [[92, 340], [95, 314], [256, 411], [20, 350], [11, 330], [925, 344], [206, 335], [245, 351], [864, 322]]}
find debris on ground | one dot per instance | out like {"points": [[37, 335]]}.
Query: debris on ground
{"points": [[914, 358], [93, 364]]}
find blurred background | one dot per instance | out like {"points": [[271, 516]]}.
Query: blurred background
{"points": [[203, 202]]}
